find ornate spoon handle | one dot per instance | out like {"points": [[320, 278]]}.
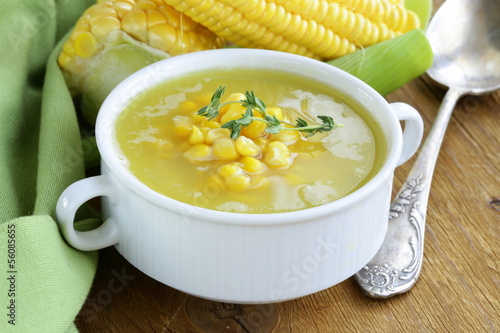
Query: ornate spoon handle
{"points": [[396, 266]]}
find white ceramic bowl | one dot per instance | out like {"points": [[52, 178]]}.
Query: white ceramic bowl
{"points": [[234, 257]]}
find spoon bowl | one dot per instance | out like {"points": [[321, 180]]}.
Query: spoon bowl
{"points": [[465, 39]]}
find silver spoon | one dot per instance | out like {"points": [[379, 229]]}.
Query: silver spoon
{"points": [[465, 39]]}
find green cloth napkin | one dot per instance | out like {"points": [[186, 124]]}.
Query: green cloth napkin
{"points": [[44, 281]]}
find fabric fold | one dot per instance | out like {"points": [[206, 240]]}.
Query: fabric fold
{"points": [[47, 281]]}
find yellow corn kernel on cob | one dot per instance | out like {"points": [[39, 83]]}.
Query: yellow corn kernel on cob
{"points": [[322, 29], [114, 38]]}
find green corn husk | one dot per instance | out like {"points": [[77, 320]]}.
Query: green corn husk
{"points": [[389, 65], [121, 57]]}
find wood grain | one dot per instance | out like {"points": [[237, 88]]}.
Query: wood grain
{"points": [[458, 290]]}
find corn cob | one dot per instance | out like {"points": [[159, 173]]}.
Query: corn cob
{"points": [[322, 29], [114, 38]]}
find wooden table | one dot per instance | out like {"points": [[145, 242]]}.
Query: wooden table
{"points": [[458, 290]]}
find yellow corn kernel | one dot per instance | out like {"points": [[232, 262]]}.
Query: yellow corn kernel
{"points": [[238, 182], [135, 24], [199, 152], [205, 130], [224, 149], [227, 170], [275, 111], [246, 146], [216, 133], [162, 37], [64, 59], [197, 118], [68, 48], [154, 17], [81, 27], [251, 164], [122, 8], [196, 136], [286, 137], [85, 45], [232, 97], [147, 5], [103, 25], [182, 125], [277, 155], [210, 123], [187, 106], [95, 15], [235, 111], [322, 29], [254, 130], [278, 145], [262, 143]]}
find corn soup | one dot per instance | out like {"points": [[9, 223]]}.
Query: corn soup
{"points": [[191, 158]]}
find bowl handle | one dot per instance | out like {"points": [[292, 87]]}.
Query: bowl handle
{"points": [[71, 199], [413, 131]]}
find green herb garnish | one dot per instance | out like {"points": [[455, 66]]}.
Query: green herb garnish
{"points": [[274, 125]]}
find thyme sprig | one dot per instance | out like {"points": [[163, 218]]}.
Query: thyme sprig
{"points": [[274, 125]]}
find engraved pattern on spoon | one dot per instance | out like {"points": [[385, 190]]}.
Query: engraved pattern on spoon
{"points": [[383, 278]]}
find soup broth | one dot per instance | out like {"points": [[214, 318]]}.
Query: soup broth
{"points": [[154, 136]]}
